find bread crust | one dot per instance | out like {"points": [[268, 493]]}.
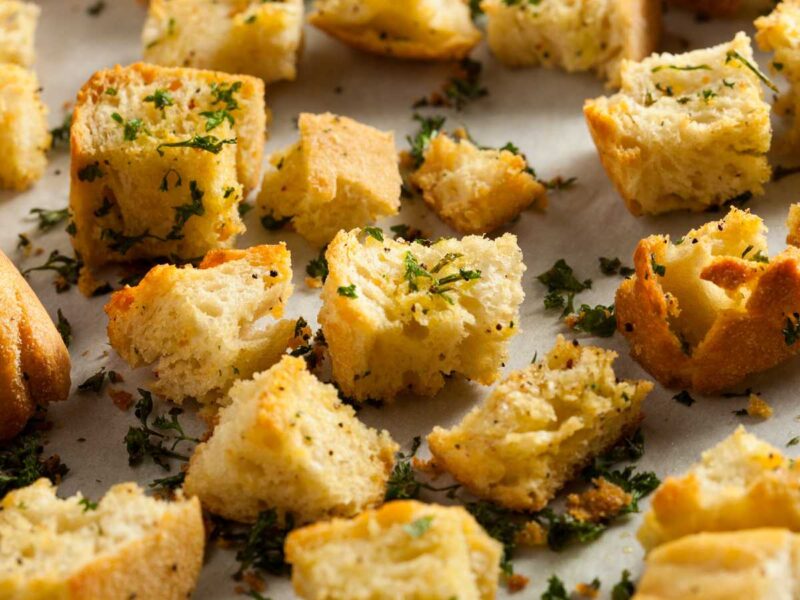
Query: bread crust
{"points": [[34, 362], [738, 344]]}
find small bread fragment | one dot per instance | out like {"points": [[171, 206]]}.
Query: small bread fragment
{"points": [[476, 190], [779, 32], [161, 158], [686, 131], [34, 362], [400, 316], [127, 545], [541, 426], [583, 35], [199, 326], [253, 37], [741, 483], [403, 550], [710, 309], [758, 564], [416, 29], [17, 32], [287, 442], [339, 175], [24, 137]]}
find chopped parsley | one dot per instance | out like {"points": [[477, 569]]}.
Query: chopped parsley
{"points": [[94, 383], [414, 271], [562, 285], [96, 9], [160, 98], [66, 268], [87, 504], [215, 118], [612, 266], [130, 128], [244, 208], [734, 55], [466, 86], [503, 525], [793, 442], [658, 269], [407, 232], [564, 529], [349, 291], [64, 328], [402, 483], [598, 320], [429, 128], [60, 134], [90, 172], [624, 590], [164, 187], [184, 212], [119, 242], [791, 332], [684, 398], [555, 590], [680, 68], [270, 223], [418, 527], [209, 143], [558, 182], [375, 232], [225, 94], [318, 267], [170, 483], [49, 218]]}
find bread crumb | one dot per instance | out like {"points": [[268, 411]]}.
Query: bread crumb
{"points": [[757, 407], [587, 590], [603, 501], [517, 583], [122, 400], [532, 534]]}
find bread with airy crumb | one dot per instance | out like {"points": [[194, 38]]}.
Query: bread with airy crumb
{"points": [[34, 362], [687, 131], [401, 316], [24, 137], [127, 545], [199, 327], [287, 442], [741, 483], [540, 427], [340, 174], [416, 29], [476, 190], [583, 35], [757, 564], [161, 158], [405, 549], [252, 37], [712, 308], [18, 22]]}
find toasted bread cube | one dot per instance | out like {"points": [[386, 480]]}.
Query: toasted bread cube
{"points": [[727, 8], [17, 32], [741, 483], [779, 32], [287, 442], [401, 316], [24, 137], [583, 35], [199, 325], [252, 36], [415, 29], [710, 309], [403, 550], [161, 158], [476, 190], [339, 175], [759, 564], [793, 225], [541, 426], [687, 131], [127, 545]]}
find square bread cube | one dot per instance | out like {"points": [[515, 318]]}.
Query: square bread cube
{"points": [[161, 158], [779, 32], [687, 131], [415, 29], [126, 545], [711, 308], [541, 426], [24, 137], [253, 37], [741, 483], [403, 550], [400, 316], [758, 564], [199, 326], [581, 35], [339, 175], [17, 32], [287, 442], [476, 190]]}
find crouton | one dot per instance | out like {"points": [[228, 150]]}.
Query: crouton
{"points": [[759, 564], [287, 442], [127, 545], [476, 190], [17, 32], [161, 158], [235, 36], [779, 32], [741, 483], [405, 549], [540, 427], [687, 131], [710, 309], [34, 362], [401, 316], [416, 29], [340, 175], [583, 35], [24, 138], [200, 326]]}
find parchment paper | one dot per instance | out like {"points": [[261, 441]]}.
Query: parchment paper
{"points": [[538, 110]]}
